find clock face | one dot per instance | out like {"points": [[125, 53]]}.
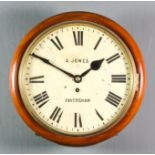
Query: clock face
{"points": [[77, 78]]}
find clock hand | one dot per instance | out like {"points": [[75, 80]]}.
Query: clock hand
{"points": [[95, 65], [49, 63]]}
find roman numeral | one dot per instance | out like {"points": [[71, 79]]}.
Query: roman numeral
{"points": [[57, 43], [41, 99], [118, 78], [56, 114], [36, 79], [77, 120], [99, 115], [112, 58], [78, 38], [113, 99], [99, 40]]}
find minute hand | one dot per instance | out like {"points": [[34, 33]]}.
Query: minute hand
{"points": [[49, 63], [95, 65]]}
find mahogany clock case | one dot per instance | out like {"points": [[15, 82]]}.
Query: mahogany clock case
{"points": [[74, 16]]}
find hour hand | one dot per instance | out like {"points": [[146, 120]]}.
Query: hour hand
{"points": [[95, 65], [49, 63]]}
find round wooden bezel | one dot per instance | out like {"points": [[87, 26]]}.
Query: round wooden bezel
{"points": [[72, 140]]}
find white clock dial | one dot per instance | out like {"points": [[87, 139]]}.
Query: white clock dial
{"points": [[77, 78]]}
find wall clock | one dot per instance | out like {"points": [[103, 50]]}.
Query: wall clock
{"points": [[77, 78]]}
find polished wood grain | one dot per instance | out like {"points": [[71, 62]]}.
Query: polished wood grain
{"points": [[72, 140]]}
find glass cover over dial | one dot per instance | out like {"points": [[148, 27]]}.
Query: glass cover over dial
{"points": [[77, 78]]}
